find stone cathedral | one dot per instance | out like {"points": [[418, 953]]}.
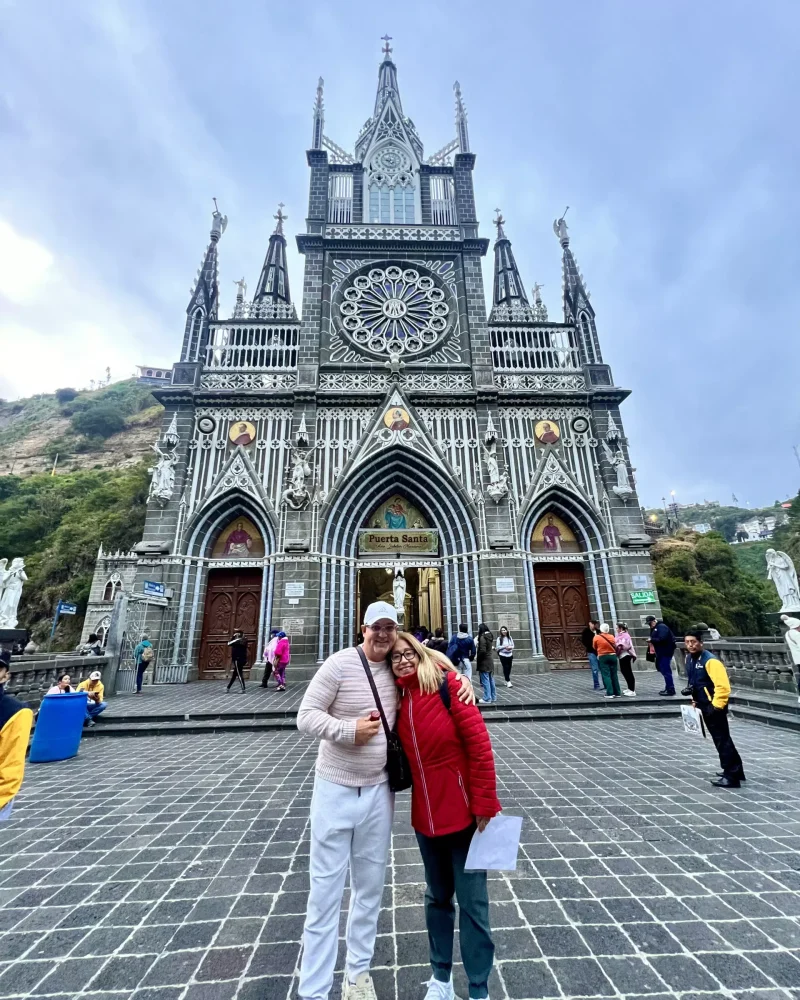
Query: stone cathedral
{"points": [[391, 441]]}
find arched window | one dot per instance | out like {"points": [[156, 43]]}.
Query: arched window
{"points": [[194, 338], [392, 194], [112, 588], [101, 629], [586, 329]]}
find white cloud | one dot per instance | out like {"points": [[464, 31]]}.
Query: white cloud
{"points": [[24, 265]]}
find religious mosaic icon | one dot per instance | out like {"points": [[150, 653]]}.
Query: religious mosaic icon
{"points": [[242, 432], [393, 311], [397, 514], [241, 539], [551, 534], [547, 432], [396, 418]]}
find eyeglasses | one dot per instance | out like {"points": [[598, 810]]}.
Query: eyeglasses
{"points": [[407, 654], [383, 629]]}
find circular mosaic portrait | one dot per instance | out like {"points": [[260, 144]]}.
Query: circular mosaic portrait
{"points": [[395, 310]]}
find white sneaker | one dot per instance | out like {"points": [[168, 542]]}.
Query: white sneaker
{"points": [[483, 701], [509, 684], [629, 694], [438, 990], [361, 989]]}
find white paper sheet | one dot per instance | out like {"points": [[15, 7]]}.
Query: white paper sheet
{"points": [[693, 720], [497, 847]]}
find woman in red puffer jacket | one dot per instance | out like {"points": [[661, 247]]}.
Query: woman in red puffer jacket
{"points": [[454, 793]]}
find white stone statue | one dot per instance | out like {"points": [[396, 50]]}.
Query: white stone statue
{"points": [[492, 466], [780, 569], [163, 472], [498, 481], [560, 226], [219, 221], [13, 579], [792, 637], [617, 461], [399, 588], [297, 495]]}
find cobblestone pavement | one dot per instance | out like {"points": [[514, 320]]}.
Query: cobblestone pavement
{"points": [[210, 696], [176, 869]]}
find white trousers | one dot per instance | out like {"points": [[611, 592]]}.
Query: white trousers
{"points": [[351, 828], [466, 668]]}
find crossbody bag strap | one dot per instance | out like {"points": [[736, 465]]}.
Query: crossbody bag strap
{"points": [[374, 687]]}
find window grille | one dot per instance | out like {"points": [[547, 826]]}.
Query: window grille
{"points": [[443, 201], [340, 198]]}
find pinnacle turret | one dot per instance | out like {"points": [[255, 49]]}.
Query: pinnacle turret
{"points": [[273, 285], [578, 310], [509, 301], [462, 133], [204, 294]]}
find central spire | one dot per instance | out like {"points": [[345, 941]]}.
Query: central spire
{"points": [[510, 301], [387, 80]]}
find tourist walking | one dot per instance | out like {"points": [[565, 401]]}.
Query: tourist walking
{"points": [[606, 649], [16, 720], [453, 793], [710, 689], [142, 657], [486, 664], [351, 807], [461, 650], [269, 656], [505, 650], [587, 638], [626, 655], [438, 641], [663, 642], [238, 645], [281, 659]]}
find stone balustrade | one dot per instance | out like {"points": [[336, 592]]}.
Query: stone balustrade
{"points": [[763, 664], [32, 675]]}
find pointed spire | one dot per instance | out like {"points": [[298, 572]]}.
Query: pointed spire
{"points": [[387, 80], [319, 117], [204, 294], [578, 309], [509, 301], [461, 121], [273, 285]]}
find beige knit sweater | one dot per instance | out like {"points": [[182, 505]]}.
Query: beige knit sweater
{"points": [[337, 697]]}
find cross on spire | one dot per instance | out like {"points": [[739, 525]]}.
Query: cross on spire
{"points": [[281, 218], [387, 49], [499, 222]]}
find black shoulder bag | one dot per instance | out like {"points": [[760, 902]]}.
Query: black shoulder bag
{"points": [[396, 761]]}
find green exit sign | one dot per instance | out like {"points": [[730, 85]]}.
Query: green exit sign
{"points": [[643, 596]]}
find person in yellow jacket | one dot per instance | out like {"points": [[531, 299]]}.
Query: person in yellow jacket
{"points": [[710, 689], [93, 686], [16, 720]]}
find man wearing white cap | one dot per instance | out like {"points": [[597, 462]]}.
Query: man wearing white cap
{"points": [[94, 689], [792, 639], [352, 807]]}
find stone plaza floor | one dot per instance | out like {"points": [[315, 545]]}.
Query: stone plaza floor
{"points": [[175, 868]]}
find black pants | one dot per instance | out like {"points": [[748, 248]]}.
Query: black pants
{"points": [[236, 672], [444, 859], [506, 661], [626, 669], [267, 673], [717, 724]]}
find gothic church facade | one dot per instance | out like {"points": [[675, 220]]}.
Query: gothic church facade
{"points": [[391, 442]]}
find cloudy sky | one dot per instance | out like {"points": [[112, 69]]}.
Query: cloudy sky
{"points": [[670, 128]]}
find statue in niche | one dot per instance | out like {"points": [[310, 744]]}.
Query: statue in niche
{"points": [[780, 569], [163, 475], [11, 582], [296, 496], [617, 462], [498, 481], [399, 589]]}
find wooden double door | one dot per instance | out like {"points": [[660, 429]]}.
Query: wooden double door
{"points": [[563, 612], [233, 600]]}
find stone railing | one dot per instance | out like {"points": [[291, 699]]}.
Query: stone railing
{"points": [[762, 664], [32, 675]]}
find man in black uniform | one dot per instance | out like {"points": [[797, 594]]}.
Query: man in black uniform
{"points": [[710, 689]]}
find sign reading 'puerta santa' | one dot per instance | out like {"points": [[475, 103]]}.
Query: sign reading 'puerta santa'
{"points": [[377, 541]]}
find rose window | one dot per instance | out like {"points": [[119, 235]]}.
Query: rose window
{"points": [[394, 311]]}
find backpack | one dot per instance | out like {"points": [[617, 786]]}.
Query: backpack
{"points": [[147, 654]]}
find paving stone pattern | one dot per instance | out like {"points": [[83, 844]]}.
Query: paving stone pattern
{"points": [[176, 869]]}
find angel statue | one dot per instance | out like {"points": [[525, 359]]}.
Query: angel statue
{"points": [[498, 481], [780, 569], [13, 579], [163, 472], [617, 462], [219, 221], [296, 496]]}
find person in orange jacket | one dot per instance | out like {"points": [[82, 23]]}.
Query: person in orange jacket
{"points": [[16, 720]]}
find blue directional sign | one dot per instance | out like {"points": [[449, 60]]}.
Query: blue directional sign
{"points": [[65, 608], [153, 589]]}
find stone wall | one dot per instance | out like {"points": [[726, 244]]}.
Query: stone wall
{"points": [[761, 664], [32, 675]]}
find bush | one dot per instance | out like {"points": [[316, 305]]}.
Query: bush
{"points": [[98, 421], [66, 395]]}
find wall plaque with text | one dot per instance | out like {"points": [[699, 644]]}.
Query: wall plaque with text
{"points": [[421, 541]]}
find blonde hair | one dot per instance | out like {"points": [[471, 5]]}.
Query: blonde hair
{"points": [[431, 664]]}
